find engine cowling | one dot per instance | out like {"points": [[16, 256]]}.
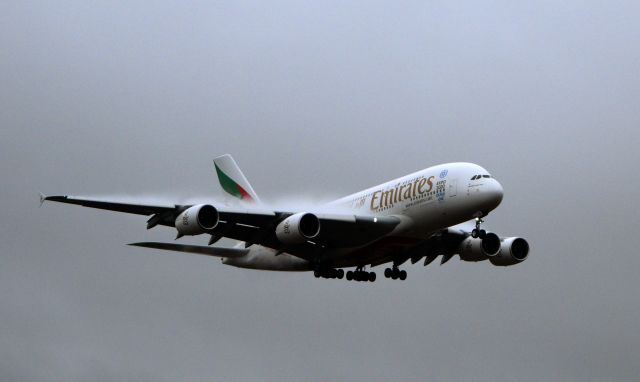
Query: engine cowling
{"points": [[513, 250], [479, 249], [197, 219], [298, 228]]}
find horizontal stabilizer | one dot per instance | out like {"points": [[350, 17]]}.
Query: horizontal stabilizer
{"points": [[197, 249]]}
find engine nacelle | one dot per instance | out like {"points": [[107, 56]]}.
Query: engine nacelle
{"points": [[479, 249], [197, 219], [298, 228], [513, 250]]}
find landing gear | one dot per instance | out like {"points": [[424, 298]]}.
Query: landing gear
{"points": [[329, 273], [477, 232], [395, 273], [360, 275]]}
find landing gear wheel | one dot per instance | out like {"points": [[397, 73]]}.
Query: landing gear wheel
{"points": [[478, 232], [359, 275], [340, 273], [317, 273], [395, 273]]}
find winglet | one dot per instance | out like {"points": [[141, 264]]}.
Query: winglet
{"points": [[43, 197]]}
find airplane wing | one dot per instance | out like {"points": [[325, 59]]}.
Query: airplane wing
{"points": [[138, 209], [164, 214], [257, 226], [443, 242]]}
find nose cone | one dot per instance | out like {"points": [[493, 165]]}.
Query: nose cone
{"points": [[494, 193]]}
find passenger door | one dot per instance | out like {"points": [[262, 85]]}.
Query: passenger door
{"points": [[453, 188]]}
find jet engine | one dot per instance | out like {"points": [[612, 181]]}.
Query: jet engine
{"points": [[479, 249], [513, 250], [197, 219], [298, 228]]}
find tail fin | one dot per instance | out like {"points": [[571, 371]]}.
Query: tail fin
{"points": [[233, 180]]}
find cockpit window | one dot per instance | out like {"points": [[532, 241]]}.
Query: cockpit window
{"points": [[486, 176], [474, 177]]}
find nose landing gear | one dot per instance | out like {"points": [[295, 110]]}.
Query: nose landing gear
{"points": [[478, 232]]}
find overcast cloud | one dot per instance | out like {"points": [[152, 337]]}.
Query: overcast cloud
{"points": [[317, 100]]}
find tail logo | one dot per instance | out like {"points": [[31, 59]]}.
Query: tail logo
{"points": [[230, 186]]}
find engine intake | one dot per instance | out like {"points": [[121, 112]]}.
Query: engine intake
{"points": [[298, 228], [479, 249], [513, 250], [197, 219]]}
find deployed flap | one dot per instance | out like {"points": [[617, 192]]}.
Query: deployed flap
{"points": [[233, 180], [198, 250]]}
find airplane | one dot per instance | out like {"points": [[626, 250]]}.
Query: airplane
{"points": [[434, 212]]}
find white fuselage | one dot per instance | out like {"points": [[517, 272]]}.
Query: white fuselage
{"points": [[425, 202]]}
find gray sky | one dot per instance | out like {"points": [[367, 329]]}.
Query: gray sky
{"points": [[316, 100]]}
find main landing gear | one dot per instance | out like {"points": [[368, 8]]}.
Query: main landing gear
{"points": [[477, 232], [360, 275], [395, 273], [329, 273]]}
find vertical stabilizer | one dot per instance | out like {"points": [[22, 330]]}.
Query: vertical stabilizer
{"points": [[233, 180]]}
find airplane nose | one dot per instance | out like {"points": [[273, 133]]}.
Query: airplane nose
{"points": [[495, 192]]}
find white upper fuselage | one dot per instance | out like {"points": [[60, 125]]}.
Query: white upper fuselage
{"points": [[433, 198]]}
